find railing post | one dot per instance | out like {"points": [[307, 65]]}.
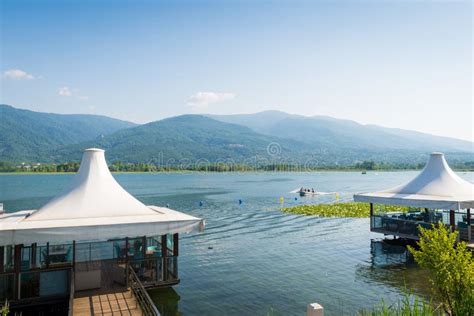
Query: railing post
{"points": [[371, 215], [47, 255], [73, 255], [469, 233], [451, 220], [33, 255]]}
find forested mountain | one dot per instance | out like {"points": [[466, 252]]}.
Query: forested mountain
{"points": [[324, 131], [29, 136], [255, 139]]}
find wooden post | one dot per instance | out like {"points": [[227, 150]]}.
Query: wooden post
{"points": [[451, 220]]}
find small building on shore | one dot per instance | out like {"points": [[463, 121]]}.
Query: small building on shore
{"points": [[94, 236], [435, 195]]}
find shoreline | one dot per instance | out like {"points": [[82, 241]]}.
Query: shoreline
{"points": [[240, 171]]}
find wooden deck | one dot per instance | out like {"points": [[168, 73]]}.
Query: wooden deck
{"points": [[470, 246], [121, 302]]}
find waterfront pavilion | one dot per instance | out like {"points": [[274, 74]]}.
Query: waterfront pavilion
{"points": [[94, 236], [435, 195]]}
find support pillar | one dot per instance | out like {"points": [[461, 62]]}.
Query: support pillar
{"points": [[469, 232], [73, 255], [33, 258], [17, 266], [164, 254], [451, 220], [371, 215], [2, 258], [127, 272], [175, 253], [176, 244]]}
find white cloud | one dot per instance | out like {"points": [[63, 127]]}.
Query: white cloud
{"points": [[203, 99], [17, 74], [65, 92], [72, 92]]}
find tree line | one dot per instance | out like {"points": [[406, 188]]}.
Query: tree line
{"points": [[118, 166]]}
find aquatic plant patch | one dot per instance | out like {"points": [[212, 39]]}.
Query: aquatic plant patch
{"points": [[347, 209]]}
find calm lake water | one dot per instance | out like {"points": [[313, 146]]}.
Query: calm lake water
{"points": [[252, 259]]}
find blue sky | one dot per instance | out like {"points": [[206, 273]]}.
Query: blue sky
{"points": [[394, 63]]}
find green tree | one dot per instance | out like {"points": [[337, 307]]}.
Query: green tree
{"points": [[451, 268]]}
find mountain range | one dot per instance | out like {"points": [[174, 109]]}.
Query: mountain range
{"points": [[261, 138]]}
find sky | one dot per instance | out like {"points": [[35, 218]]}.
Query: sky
{"points": [[404, 64]]}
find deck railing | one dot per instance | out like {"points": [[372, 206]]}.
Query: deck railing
{"points": [[466, 233], [141, 295], [410, 228], [396, 226]]}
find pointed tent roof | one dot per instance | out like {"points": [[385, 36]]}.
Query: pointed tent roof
{"points": [[93, 207], [92, 193], [437, 187]]}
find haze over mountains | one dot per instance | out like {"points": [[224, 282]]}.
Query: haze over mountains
{"points": [[325, 131], [266, 137]]}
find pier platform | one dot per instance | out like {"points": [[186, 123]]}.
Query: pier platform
{"points": [[120, 302]]}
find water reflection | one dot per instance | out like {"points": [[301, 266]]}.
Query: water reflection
{"points": [[392, 264], [166, 300]]}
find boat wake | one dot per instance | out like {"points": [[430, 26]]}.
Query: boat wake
{"points": [[313, 193]]}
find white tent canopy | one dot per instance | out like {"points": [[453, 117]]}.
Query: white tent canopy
{"points": [[436, 187], [94, 207]]}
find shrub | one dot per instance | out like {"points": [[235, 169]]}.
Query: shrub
{"points": [[451, 268]]}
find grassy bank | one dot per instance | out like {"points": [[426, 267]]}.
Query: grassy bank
{"points": [[348, 209]]}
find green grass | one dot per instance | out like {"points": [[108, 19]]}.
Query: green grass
{"points": [[348, 209], [408, 306]]}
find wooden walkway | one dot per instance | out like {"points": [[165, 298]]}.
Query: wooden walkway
{"points": [[121, 302]]}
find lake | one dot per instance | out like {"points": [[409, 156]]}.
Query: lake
{"points": [[252, 259]]}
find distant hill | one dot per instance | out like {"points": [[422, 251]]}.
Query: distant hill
{"points": [[186, 137], [31, 136], [328, 131], [257, 139], [196, 139]]}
